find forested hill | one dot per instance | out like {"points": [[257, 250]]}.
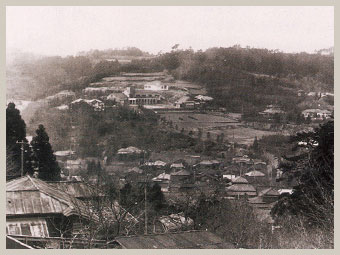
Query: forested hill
{"points": [[245, 78], [240, 79], [112, 53]]}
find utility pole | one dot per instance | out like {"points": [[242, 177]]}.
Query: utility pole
{"points": [[22, 156], [145, 205]]}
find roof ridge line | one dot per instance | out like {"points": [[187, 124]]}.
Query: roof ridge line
{"points": [[29, 177]]}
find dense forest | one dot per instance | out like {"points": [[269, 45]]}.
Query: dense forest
{"points": [[240, 79]]}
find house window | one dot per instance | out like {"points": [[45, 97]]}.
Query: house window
{"points": [[25, 229], [37, 229], [13, 229]]}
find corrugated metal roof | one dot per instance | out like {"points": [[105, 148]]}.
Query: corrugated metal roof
{"points": [[180, 240], [27, 195]]}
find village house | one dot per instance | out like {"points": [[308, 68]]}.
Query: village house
{"points": [[163, 180], [256, 177], [186, 103], [264, 202], [36, 208], [130, 153], [181, 181], [240, 188], [271, 111], [205, 180], [95, 104]]}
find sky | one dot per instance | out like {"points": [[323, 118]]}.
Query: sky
{"points": [[66, 30]]}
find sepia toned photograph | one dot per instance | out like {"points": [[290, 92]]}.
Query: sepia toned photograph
{"points": [[169, 127]]}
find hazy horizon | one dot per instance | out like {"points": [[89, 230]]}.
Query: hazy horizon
{"points": [[69, 30]]}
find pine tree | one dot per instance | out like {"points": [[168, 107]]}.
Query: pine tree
{"points": [[16, 132], [313, 197], [45, 160]]}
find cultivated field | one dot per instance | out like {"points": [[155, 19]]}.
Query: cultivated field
{"points": [[193, 121], [215, 124]]}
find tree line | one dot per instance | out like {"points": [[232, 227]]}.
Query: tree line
{"points": [[25, 158]]}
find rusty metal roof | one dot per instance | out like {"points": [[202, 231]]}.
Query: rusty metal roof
{"points": [[28, 195], [179, 240]]}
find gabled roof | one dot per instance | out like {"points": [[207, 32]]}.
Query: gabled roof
{"points": [[179, 240], [28, 195]]}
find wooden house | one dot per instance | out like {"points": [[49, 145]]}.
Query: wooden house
{"points": [[36, 208], [240, 188]]}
